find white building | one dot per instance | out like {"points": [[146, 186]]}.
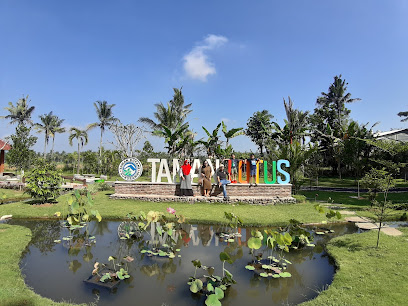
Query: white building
{"points": [[398, 135]]}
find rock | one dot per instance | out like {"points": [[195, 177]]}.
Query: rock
{"points": [[5, 217]]}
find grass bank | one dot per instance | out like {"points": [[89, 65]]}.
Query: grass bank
{"points": [[366, 275], [13, 291], [194, 213]]}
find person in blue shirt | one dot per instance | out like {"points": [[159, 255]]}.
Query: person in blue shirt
{"points": [[252, 169]]}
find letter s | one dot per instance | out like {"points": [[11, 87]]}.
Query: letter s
{"points": [[280, 170]]}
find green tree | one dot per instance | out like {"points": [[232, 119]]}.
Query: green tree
{"points": [[259, 128], [212, 142], [21, 155], [172, 115], [335, 100], [105, 116], [20, 113], [228, 134], [45, 127], [174, 139], [54, 129], [82, 139], [331, 117], [44, 181]]}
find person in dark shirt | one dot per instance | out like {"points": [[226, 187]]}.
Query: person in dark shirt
{"points": [[222, 176]]}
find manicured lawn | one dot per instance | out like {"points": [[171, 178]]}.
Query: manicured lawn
{"points": [[362, 206], [194, 213], [344, 182], [366, 275], [346, 197], [13, 291]]}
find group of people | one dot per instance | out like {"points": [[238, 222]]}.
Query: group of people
{"points": [[223, 176]]}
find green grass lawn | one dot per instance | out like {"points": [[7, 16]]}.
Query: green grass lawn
{"points": [[362, 206], [7, 195], [344, 182], [346, 197], [194, 213], [13, 291], [366, 275]]}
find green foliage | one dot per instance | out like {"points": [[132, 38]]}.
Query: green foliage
{"points": [[44, 181], [81, 209], [98, 186], [376, 180], [299, 198], [259, 128], [21, 155]]}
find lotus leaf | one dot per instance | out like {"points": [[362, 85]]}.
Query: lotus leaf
{"points": [[254, 243], [196, 285], [219, 292], [212, 300]]}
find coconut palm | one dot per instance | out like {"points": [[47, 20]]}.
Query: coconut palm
{"points": [[56, 128], [105, 116], [45, 127], [82, 139], [20, 113], [171, 115], [337, 98]]}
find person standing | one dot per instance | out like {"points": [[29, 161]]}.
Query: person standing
{"points": [[234, 168], [252, 169], [185, 185], [222, 176], [206, 177]]}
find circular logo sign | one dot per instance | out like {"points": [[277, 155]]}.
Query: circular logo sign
{"points": [[130, 169]]}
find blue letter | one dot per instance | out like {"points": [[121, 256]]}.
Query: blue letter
{"points": [[280, 170]]}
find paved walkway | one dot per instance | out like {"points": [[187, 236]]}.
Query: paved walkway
{"points": [[367, 224]]}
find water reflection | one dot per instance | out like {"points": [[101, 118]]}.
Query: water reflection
{"points": [[159, 280]]}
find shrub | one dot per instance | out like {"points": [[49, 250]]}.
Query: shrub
{"points": [[299, 198], [44, 181], [99, 186]]}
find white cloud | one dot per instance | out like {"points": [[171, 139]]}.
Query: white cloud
{"points": [[197, 65]]}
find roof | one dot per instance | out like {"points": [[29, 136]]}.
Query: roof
{"points": [[4, 145], [390, 133]]}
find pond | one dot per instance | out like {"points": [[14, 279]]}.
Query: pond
{"points": [[58, 270]]}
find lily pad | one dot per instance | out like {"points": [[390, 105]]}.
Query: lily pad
{"points": [[249, 267], [285, 274], [263, 274]]}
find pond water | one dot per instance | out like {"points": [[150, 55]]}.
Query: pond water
{"points": [[58, 270]]}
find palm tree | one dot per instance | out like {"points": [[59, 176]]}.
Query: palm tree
{"points": [[170, 121], [171, 115], [82, 139], [20, 113], [337, 97], [105, 116], [56, 128], [45, 127], [296, 125]]}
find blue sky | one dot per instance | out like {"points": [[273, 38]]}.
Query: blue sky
{"points": [[231, 57]]}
